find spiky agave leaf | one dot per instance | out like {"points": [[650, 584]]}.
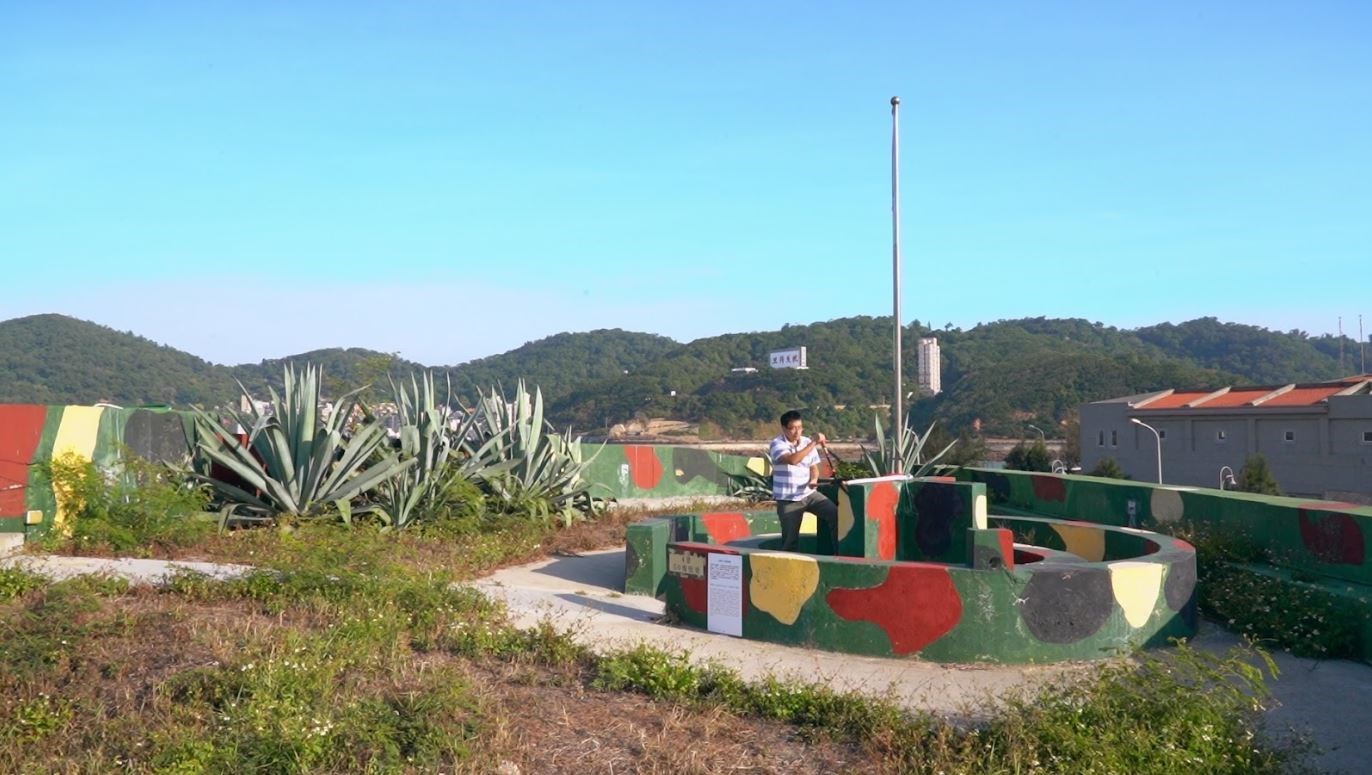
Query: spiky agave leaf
{"points": [[425, 439], [908, 451], [293, 459], [521, 461]]}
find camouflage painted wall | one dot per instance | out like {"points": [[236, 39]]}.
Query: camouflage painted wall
{"points": [[660, 471], [1320, 538], [1089, 592], [32, 435], [1302, 542]]}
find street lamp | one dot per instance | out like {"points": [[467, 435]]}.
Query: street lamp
{"points": [[1158, 437], [1042, 438], [1227, 478]]}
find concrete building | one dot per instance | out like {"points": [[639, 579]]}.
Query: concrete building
{"points": [[1317, 437], [930, 368]]}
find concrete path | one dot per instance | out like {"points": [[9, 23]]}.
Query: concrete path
{"points": [[135, 571], [581, 594], [1325, 699]]}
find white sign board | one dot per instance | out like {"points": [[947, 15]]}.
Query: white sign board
{"points": [[790, 358], [724, 582]]}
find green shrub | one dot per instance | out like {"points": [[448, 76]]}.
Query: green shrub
{"points": [[31, 720], [851, 469], [1178, 711], [1108, 469], [1302, 618], [140, 505], [1256, 476], [652, 671], [16, 581], [1183, 711], [1027, 456]]}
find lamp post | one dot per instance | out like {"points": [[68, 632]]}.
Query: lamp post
{"points": [[1226, 478], [1042, 438], [1157, 437]]}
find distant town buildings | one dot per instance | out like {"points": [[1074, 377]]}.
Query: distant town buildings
{"points": [[930, 368], [1317, 437]]}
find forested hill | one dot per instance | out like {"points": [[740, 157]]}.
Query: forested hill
{"points": [[58, 359], [557, 364], [1007, 374], [54, 359], [1264, 357]]}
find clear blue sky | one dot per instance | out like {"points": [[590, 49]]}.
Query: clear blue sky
{"points": [[449, 180]]}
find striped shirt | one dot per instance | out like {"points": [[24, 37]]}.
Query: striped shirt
{"points": [[791, 483]]}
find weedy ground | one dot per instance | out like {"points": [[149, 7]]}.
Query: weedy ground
{"points": [[356, 650]]}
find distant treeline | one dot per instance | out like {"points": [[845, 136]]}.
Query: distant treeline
{"points": [[1007, 374]]}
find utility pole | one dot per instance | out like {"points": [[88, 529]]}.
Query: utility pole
{"points": [[1362, 346], [898, 405]]}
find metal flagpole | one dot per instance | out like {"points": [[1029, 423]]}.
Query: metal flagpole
{"points": [[897, 406]]}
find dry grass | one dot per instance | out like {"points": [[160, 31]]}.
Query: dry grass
{"points": [[128, 666], [360, 656], [465, 553], [549, 722]]}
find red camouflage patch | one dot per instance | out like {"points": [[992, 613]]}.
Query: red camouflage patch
{"points": [[724, 527], [1334, 538], [916, 605], [21, 428], [1049, 488], [881, 508], [644, 466]]}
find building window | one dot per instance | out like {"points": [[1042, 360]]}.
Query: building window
{"points": [[1289, 436], [1114, 438], [1100, 439], [1220, 436], [1162, 434], [1367, 437]]}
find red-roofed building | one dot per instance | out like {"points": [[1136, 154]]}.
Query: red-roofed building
{"points": [[1317, 437]]}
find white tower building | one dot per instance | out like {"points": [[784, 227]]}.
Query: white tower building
{"points": [[930, 370]]}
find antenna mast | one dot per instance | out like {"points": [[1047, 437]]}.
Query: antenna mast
{"points": [[1341, 371]]}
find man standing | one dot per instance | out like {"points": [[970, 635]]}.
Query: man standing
{"points": [[795, 475]]}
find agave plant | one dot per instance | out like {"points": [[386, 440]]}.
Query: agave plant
{"points": [[750, 486], [424, 439], [907, 452], [295, 460], [521, 461]]}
